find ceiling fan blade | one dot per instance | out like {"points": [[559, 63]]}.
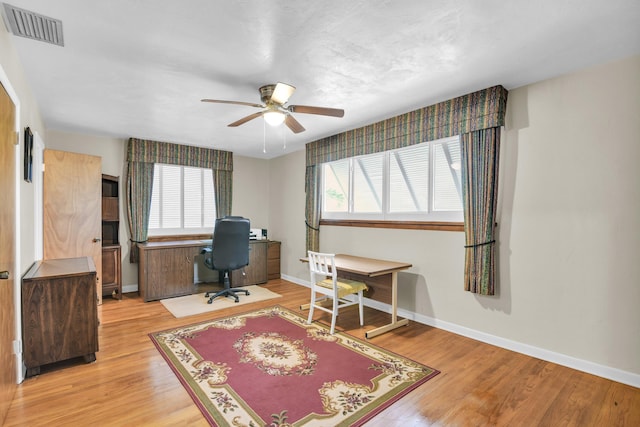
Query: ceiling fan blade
{"points": [[282, 93], [293, 124], [218, 101], [322, 111], [245, 119]]}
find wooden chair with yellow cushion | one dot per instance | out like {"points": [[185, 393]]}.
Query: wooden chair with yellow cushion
{"points": [[324, 281]]}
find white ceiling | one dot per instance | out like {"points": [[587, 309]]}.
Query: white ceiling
{"points": [[139, 68]]}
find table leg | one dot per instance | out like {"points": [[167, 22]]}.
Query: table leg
{"points": [[395, 323]]}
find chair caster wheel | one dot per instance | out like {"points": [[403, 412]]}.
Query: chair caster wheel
{"points": [[209, 302], [248, 293]]}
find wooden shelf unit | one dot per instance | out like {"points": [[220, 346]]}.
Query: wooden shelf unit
{"points": [[111, 252]]}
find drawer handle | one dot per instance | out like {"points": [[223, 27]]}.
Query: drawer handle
{"points": [[4, 275]]}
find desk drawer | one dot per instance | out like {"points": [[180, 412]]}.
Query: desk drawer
{"points": [[273, 269], [273, 260]]}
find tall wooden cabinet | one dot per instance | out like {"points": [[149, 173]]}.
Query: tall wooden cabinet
{"points": [[111, 252]]}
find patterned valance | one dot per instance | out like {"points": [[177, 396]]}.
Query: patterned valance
{"points": [[478, 110], [146, 151]]}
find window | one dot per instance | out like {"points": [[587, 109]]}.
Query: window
{"points": [[182, 201], [417, 183]]}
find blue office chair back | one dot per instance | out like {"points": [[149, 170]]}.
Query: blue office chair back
{"points": [[230, 246]]}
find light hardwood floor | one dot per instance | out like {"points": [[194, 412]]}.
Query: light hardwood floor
{"points": [[131, 385]]}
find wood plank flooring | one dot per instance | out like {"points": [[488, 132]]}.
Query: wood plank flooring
{"points": [[480, 385]]}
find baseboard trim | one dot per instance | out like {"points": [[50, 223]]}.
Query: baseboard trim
{"points": [[295, 280], [603, 371]]}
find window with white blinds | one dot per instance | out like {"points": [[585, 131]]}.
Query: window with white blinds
{"points": [[418, 183], [182, 201]]}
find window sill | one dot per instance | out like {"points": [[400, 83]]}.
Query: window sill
{"points": [[179, 237], [407, 225]]}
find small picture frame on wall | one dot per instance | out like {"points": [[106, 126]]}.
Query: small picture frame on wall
{"points": [[28, 154]]}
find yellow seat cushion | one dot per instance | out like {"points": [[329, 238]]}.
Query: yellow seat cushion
{"points": [[345, 286]]}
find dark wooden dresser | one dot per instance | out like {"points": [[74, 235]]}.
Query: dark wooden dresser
{"points": [[59, 312]]}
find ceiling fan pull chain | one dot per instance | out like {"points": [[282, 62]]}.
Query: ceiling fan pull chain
{"points": [[264, 136], [284, 139]]}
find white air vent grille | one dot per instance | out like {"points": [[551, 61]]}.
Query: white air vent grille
{"points": [[31, 25]]}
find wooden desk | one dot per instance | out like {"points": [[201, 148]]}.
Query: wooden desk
{"points": [[165, 268], [382, 278]]}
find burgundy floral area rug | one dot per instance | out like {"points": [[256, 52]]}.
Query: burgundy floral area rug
{"points": [[268, 367]]}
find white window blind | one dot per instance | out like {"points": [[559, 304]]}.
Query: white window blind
{"points": [[367, 183], [409, 180], [420, 182], [336, 186], [182, 201], [447, 194]]}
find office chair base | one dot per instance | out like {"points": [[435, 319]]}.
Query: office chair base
{"points": [[227, 293]]}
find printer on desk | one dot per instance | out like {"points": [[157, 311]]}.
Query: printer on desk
{"points": [[257, 234]]}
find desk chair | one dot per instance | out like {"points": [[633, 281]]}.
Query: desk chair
{"points": [[324, 281], [229, 251]]}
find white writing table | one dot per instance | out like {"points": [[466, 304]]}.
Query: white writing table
{"points": [[382, 278]]}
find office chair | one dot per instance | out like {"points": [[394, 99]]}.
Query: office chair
{"points": [[325, 281], [229, 251]]}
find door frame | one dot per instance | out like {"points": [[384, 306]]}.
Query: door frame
{"points": [[38, 209], [4, 79]]}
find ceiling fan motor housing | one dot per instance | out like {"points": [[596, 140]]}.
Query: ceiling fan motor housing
{"points": [[266, 92]]}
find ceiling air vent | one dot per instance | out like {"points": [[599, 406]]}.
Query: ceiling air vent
{"points": [[31, 25]]}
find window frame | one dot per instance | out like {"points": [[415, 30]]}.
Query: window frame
{"points": [[159, 233], [440, 220]]}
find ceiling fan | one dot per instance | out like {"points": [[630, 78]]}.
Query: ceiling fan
{"points": [[274, 110]]}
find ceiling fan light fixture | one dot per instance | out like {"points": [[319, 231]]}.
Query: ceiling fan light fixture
{"points": [[274, 118], [274, 111]]}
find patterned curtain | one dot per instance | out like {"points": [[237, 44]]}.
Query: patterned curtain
{"points": [[138, 193], [312, 208], [222, 181], [141, 157], [141, 150], [478, 110], [480, 152]]}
